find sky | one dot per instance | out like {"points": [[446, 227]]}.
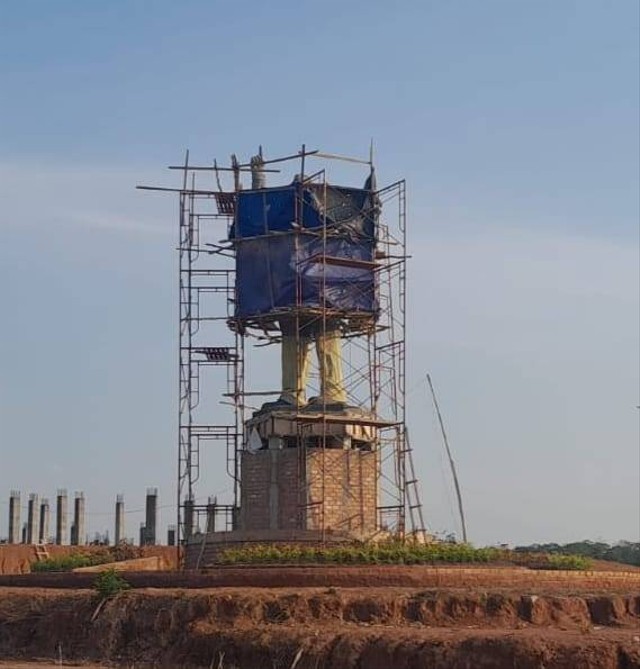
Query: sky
{"points": [[515, 124]]}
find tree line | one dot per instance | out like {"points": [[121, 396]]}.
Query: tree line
{"points": [[626, 552]]}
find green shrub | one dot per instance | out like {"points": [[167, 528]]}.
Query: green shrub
{"points": [[394, 552], [553, 561], [85, 558], [109, 583], [568, 562], [69, 562]]}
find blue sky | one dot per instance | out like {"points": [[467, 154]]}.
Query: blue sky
{"points": [[516, 126]]}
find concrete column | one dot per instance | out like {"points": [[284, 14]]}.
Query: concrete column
{"points": [[14, 517], [25, 529], [119, 535], [188, 518], [211, 514], [32, 519], [61, 517], [79, 533], [171, 535], [143, 535], [45, 513], [151, 516]]}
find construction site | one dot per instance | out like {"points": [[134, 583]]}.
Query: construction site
{"points": [[292, 369], [38, 529], [320, 451]]}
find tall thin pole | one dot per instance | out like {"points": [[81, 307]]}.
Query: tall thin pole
{"points": [[452, 464], [184, 371]]}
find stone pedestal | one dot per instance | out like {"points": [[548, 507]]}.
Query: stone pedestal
{"points": [[313, 471]]}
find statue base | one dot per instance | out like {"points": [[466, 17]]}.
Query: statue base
{"points": [[311, 470], [315, 425]]}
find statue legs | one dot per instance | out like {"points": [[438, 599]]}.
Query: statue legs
{"points": [[329, 351], [295, 364], [295, 368]]}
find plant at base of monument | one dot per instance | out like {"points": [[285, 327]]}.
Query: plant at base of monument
{"points": [[380, 553], [395, 552], [109, 583]]}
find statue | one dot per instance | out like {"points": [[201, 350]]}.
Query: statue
{"points": [[305, 266], [297, 339]]}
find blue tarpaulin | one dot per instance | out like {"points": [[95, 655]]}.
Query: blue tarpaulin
{"points": [[261, 212], [279, 253]]}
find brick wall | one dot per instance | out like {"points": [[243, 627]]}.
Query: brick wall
{"points": [[286, 489], [289, 489], [348, 488], [254, 494]]}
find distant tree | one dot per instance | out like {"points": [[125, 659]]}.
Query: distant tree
{"points": [[626, 552]]}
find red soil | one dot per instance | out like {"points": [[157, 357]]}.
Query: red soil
{"points": [[336, 628], [18, 558], [335, 576]]}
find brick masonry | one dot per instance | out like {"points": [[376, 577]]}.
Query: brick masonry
{"points": [[311, 489]]}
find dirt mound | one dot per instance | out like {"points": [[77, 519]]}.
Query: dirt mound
{"points": [[18, 558], [332, 628]]}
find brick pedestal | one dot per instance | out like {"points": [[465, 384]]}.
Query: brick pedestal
{"points": [[327, 489]]}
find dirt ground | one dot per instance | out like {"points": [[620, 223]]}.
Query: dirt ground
{"points": [[323, 628], [45, 663], [321, 617], [605, 565], [417, 576]]}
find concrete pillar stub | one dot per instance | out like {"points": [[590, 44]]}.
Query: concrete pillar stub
{"points": [[188, 518], [79, 533], [119, 528], [142, 535], [211, 514], [61, 517], [45, 514], [33, 519], [14, 517], [151, 516]]}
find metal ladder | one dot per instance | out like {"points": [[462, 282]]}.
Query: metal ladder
{"points": [[414, 505]]}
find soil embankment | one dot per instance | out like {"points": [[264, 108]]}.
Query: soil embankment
{"points": [[336, 628], [18, 558], [417, 576]]}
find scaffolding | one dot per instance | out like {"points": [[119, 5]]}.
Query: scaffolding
{"points": [[213, 338]]}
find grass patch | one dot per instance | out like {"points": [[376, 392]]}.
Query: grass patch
{"points": [[382, 553], [69, 562], [568, 562], [395, 553], [85, 558], [109, 583], [551, 561]]}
